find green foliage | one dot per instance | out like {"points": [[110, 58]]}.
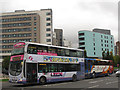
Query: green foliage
{"points": [[116, 60], [5, 63]]}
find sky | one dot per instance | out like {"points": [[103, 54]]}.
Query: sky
{"points": [[73, 15]]}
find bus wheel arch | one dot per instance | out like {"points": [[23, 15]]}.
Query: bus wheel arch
{"points": [[74, 78], [94, 74], [42, 80]]}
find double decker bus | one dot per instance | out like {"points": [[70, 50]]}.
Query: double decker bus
{"points": [[39, 63], [98, 67]]}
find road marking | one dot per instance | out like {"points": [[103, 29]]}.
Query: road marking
{"points": [[94, 86], [89, 80], [112, 82], [96, 81]]}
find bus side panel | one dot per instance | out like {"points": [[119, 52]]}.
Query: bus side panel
{"points": [[81, 73]]}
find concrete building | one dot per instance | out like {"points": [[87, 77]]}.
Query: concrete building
{"points": [[21, 25], [67, 43], [104, 31], [59, 37], [118, 48], [95, 43]]}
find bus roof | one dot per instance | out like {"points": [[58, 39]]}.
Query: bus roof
{"points": [[52, 46]]}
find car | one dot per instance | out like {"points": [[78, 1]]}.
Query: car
{"points": [[118, 73]]}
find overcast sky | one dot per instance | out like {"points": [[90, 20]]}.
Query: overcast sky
{"points": [[73, 15]]}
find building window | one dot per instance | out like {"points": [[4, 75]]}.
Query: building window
{"points": [[111, 41], [35, 18], [93, 44], [48, 29], [101, 44], [105, 41], [93, 35], [101, 36], [102, 49], [34, 39], [81, 34], [93, 39], [101, 40], [34, 23], [34, 34], [94, 48], [94, 53], [47, 24], [48, 35], [34, 28], [47, 19], [48, 40], [48, 13]]}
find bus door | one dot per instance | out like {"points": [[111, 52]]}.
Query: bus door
{"points": [[31, 72]]}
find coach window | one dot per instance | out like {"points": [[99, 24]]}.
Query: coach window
{"points": [[32, 49], [42, 49], [67, 53], [52, 50], [73, 53], [60, 67], [60, 52]]}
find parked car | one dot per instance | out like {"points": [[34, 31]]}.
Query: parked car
{"points": [[118, 73]]}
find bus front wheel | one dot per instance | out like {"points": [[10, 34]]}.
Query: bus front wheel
{"points": [[42, 80], [74, 78]]}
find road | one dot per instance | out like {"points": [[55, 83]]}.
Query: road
{"points": [[100, 82]]}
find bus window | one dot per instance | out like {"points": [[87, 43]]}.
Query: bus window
{"points": [[80, 54], [60, 68], [67, 53], [32, 49], [73, 53], [43, 49], [52, 67], [60, 52], [42, 67], [52, 50]]}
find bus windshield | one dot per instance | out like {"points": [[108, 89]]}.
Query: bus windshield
{"points": [[17, 51], [15, 67]]}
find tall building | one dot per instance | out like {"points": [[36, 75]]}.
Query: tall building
{"points": [[118, 48], [59, 36], [21, 25], [95, 43]]}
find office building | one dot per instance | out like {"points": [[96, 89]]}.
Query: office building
{"points": [[118, 48], [21, 25], [59, 37], [95, 43]]}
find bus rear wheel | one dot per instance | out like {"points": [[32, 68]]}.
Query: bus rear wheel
{"points": [[42, 80], [74, 78]]}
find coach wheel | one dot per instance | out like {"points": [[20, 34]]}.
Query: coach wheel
{"points": [[74, 78], [42, 80], [94, 75]]}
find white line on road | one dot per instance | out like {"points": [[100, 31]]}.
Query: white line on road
{"points": [[112, 82], [94, 86], [96, 81], [89, 80]]}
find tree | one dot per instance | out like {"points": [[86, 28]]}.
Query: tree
{"points": [[5, 64], [103, 54], [116, 60]]}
